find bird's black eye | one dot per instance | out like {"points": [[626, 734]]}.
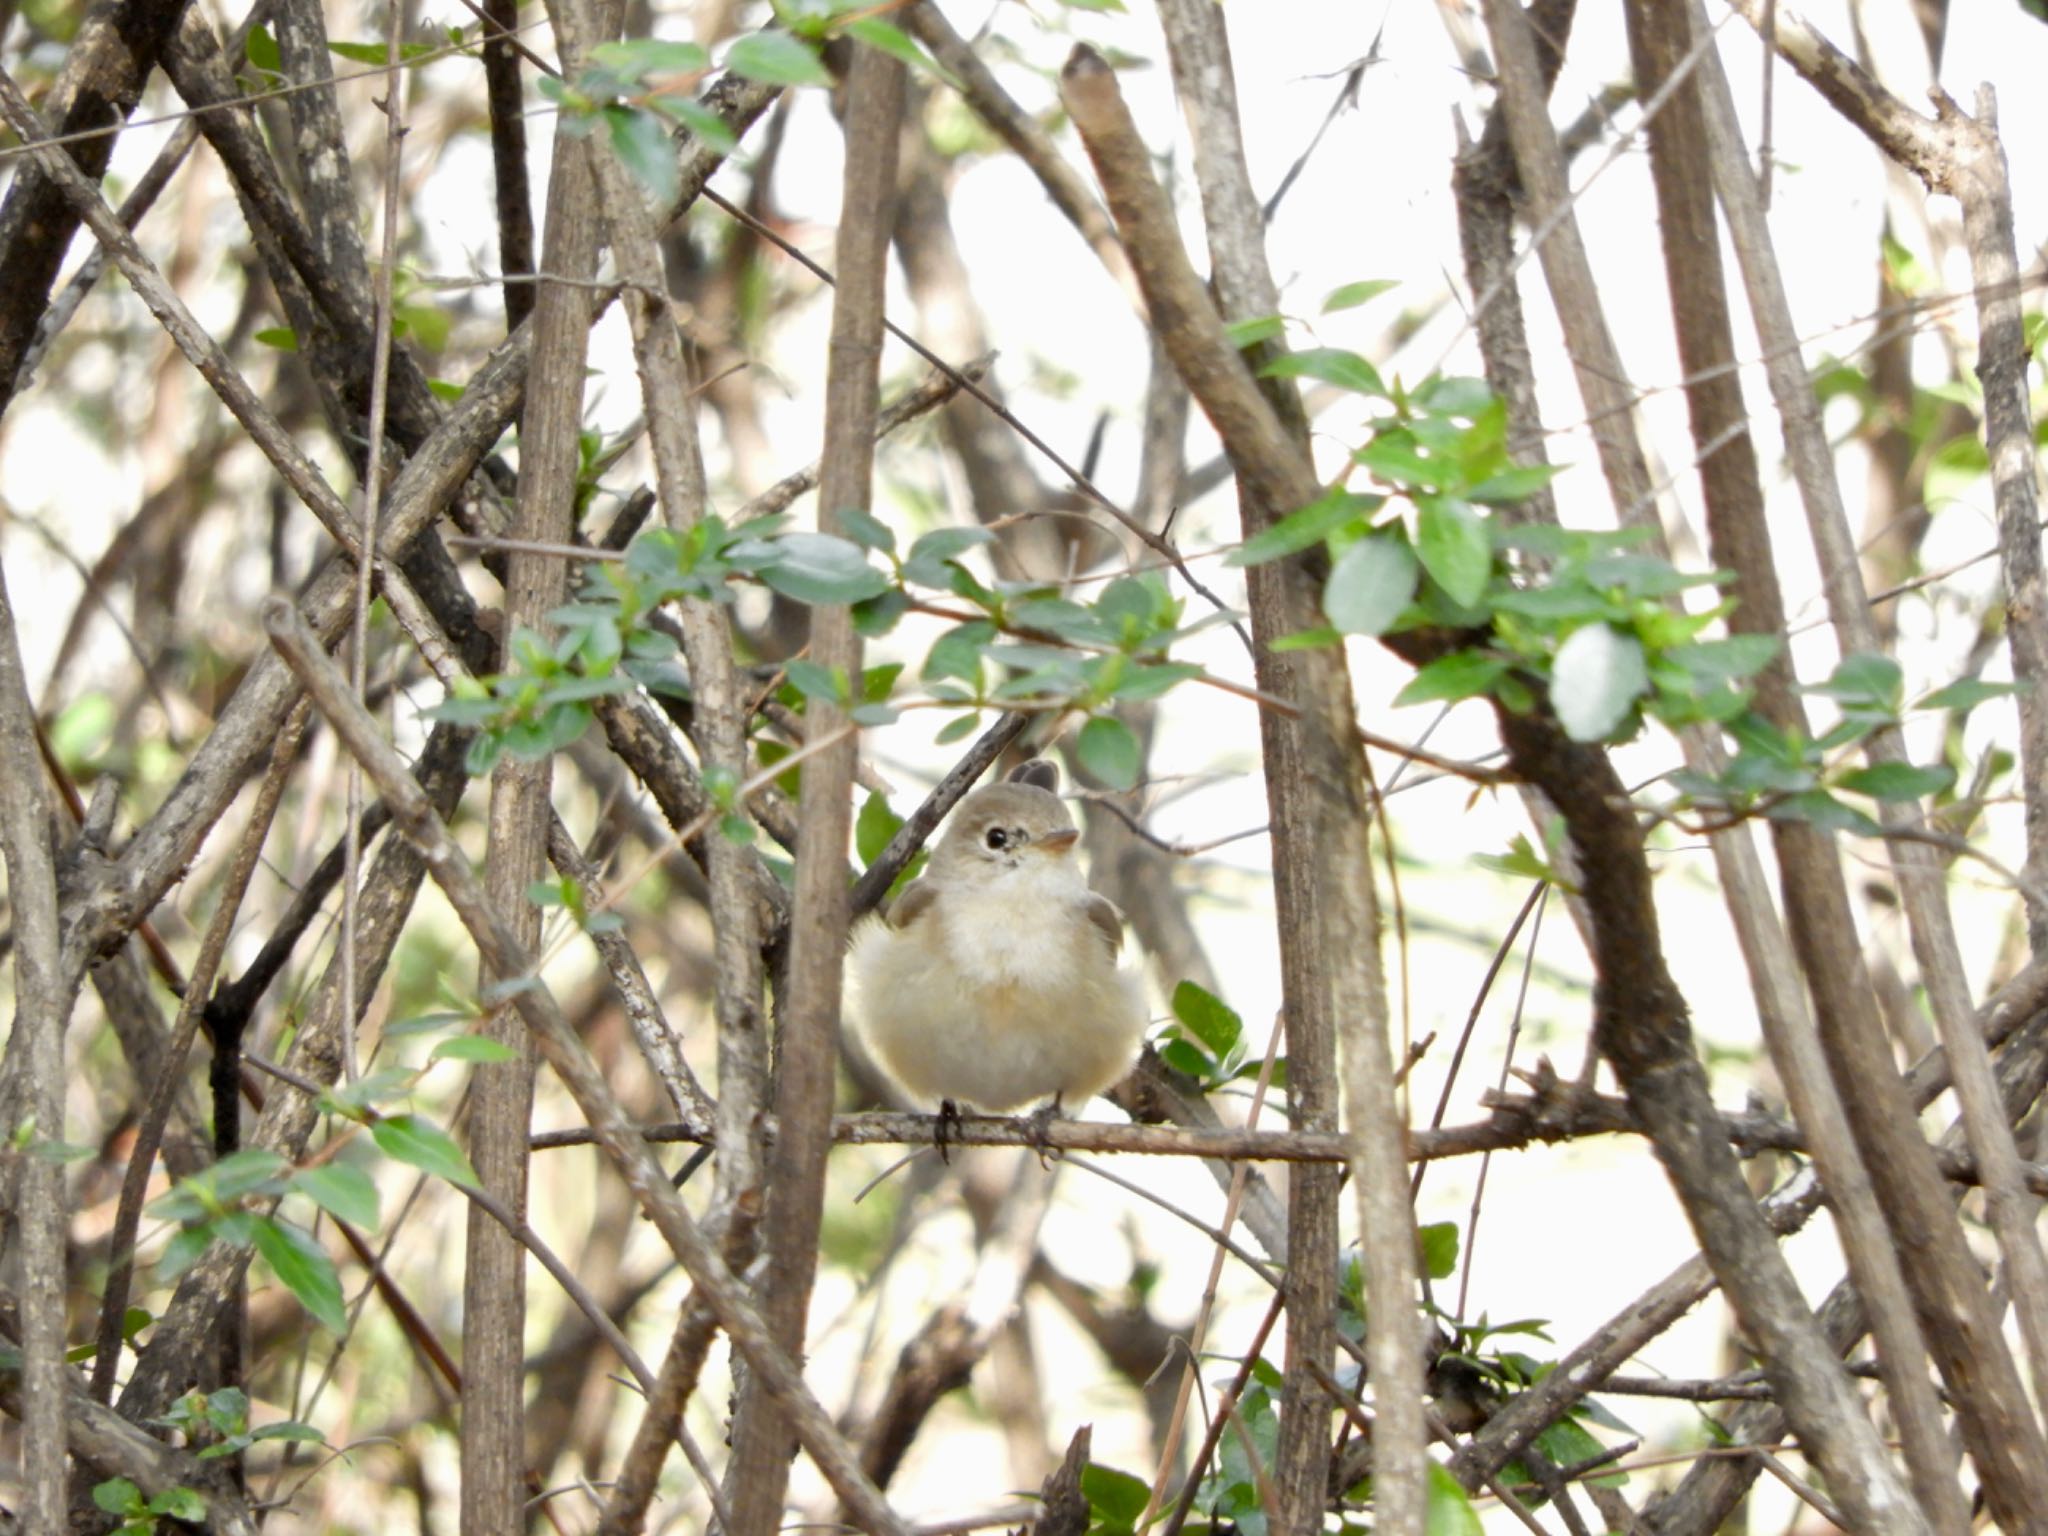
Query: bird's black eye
{"points": [[997, 838]]}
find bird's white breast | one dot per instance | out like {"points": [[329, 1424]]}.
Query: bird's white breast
{"points": [[1000, 993]]}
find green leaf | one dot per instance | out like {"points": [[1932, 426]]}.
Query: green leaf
{"points": [[865, 529], [1307, 640], [957, 727], [420, 1142], [1371, 582], [711, 130], [958, 652], [1898, 781], [1726, 661], [1114, 1497], [281, 338], [341, 1191], [1460, 675], [1865, 681], [641, 141], [816, 682], [1336, 508], [1820, 809], [304, 1269], [1109, 751], [118, 1496], [1513, 485], [1447, 1512], [1455, 396], [885, 37], [1455, 548], [1208, 1018], [818, 568], [1965, 694], [378, 54], [1332, 365], [928, 563], [472, 1048], [1396, 458], [639, 57], [262, 51], [1249, 333], [1439, 1245], [1598, 675], [1186, 1058], [873, 828], [878, 615], [1351, 295], [776, 58]]}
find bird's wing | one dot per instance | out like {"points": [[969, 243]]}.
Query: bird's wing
{"points": [[1103, 913], [906, 908]]}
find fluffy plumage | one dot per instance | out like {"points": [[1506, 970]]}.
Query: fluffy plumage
{"points": [[993, 981]]}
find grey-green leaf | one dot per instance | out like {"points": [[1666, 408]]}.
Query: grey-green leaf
{"points": [[341, 1191], [304, 1269], [1109, 751], [1371, 582], [776, 58], [426, 1146], [818, 568], [1598, 675], [1455, 548]]}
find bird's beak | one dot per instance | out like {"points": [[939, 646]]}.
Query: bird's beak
{"points": [[1059, 842]]}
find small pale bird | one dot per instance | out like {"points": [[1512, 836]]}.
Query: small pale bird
{"points": [[993, 981]]}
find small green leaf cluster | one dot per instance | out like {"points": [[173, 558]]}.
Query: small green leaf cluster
{"points": [[233, 1200], [1116, 1499], [1785, 775], [224, 1203], [1593, 622], [221, 1421], [1060, 653], [641, 89], [568, 896], [1229, 1495], [608, 643], [872, 830], [1206, 1040], [1523, 861], [139, 1516], [1576, 616]]}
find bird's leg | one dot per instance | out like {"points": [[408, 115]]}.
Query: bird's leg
{"points": [[1040, 1121], [946, 1128]]}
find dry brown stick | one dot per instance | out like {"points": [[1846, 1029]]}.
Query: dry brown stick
{"points": [[1733, 490], [566, 1053], [371, 488], [1315, 779], [809, 1037], [156, 1112], [186, 1327], [204, 353], [1702, 1502], [1918, 868], [550, 432], [109, 1444], [721, 712], [1582, 1370], [1026, 137], [1337, 951], [1829, 1413], [35, 1202]]}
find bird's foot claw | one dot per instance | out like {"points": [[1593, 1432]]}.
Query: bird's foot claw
{"points": [[1040, 1122], [945, 1129]]}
